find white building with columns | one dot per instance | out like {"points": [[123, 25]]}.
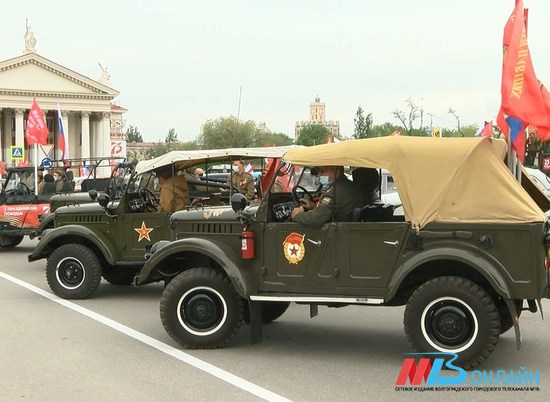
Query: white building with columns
{"points": [[93, 124]]}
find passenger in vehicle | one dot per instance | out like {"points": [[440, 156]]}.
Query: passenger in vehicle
{"points": [[241, 180], [48, 184], [341, 197], [40, 183], [59, 178], [173, 190]]}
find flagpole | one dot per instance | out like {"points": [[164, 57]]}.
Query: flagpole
{"points": [[35, 168]]}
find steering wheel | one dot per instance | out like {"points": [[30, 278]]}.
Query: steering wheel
{"points": [[22, 188], [149, 198], [298, 195]]}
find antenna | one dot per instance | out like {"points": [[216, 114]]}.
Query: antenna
{"points": [[238, 116]]}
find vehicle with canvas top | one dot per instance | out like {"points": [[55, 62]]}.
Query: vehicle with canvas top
{"points": [[108, 238], [466, 258]]}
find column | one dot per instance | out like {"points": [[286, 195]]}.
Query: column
{"points": [[2, 139], [85, 135], [19, 129], [7, 133], [65, 118], [106, 131], [98, 136]]}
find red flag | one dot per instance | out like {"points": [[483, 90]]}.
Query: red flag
{"points": [[487, 130], [2, 168], [23, 163], [37, 130], [521, 91]]}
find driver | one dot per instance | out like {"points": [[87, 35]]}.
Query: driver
{"points": [[341, 195], [173, 190]]}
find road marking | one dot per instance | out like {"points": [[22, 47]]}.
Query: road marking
{"points": [[162, 347]]}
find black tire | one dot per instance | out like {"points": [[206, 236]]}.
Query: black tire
{"points": [[10, 241], [454, 315], [270, 311], [73, 271], [200, 309], [118, 276], [506, 320]]}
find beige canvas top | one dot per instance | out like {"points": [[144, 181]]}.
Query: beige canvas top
{"points": [[185, 159], [438, 179]]}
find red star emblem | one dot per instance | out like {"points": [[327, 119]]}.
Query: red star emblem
{"points": [[143, 232], [294, 250]]}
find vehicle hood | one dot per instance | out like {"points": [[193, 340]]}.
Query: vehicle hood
{"points": [[82, 209], [60, 200], [438, 179], [220, 213]]}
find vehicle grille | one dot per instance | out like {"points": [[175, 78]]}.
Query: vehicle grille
{"points": [[88, 219], [213, 228]]}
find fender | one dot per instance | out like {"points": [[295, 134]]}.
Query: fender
{"points": [[228, 259], [44, 247], [490, 271], [47, 220]]}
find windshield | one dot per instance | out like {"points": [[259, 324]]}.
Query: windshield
{"points": [[20, 179], [289, 176], [120, 177]]}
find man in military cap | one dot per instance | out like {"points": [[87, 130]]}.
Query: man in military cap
{"points": [[241, 180], [173, 190], [341, 197]]}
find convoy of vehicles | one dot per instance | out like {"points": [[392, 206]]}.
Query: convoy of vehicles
{"points": [[464, 265], [108, 237]]}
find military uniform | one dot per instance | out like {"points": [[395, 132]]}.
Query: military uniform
{"points": [[173, 194], [342, 196], [243, 182]]}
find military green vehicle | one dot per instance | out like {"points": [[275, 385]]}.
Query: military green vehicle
{"points": [[27, 202], [95, 175], [108, 238], [466, 257]]}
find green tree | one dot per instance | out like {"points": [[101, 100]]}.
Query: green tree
{"points": [[363, 124], [228, 132], [160, 148], [383, 130], [171, 137], [273, 139], [313, 134], [133, 134]]}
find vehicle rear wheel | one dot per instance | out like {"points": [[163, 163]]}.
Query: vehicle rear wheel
{"points": [[118, 276], [10, 241], [270, 311], [73, 271], [452, 315], [200, 308]]}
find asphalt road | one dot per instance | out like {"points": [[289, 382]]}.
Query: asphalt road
{"points": [[113, 348]]}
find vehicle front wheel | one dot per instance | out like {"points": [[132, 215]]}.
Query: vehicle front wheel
{"points": [[200, 309], [10, 241], [452, 315], [73, 271]]}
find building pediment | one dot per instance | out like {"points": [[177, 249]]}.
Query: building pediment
{"points": [[34, 75]]}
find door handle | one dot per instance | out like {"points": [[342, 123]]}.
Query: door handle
{"points": [[392, 243]]}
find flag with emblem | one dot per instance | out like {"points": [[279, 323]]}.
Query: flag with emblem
{"points": [[37, 130]]}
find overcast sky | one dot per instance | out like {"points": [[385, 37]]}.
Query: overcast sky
{"points": [[180, 63]]}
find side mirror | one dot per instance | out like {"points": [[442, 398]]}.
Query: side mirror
{"points": [[92, 194], [103, 199], [238, 202]]}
